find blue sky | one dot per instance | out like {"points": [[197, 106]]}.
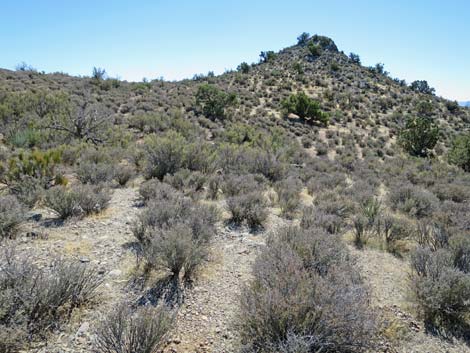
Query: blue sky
{"points": [[175, 39]]}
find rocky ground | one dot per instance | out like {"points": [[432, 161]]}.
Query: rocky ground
{"points": [[205, 322]]}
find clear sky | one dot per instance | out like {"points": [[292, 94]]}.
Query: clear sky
{"points": [[415, 39]]}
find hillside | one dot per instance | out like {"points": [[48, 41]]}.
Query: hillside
{"points": [[304, 203]]}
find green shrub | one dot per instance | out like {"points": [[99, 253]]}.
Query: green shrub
{"points": [[313, 49], [213, 102], [459, 153], [243, 68], [305, 107], [422, 86], [267, 56], [419, 136], [11, 216], [302, 39], [164, 155]]}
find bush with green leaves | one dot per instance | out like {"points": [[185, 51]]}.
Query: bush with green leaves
{"points": [[267, 56], [305, 292], [313, 49], [459, 153], [243, 68], [213, 102], [422, 86], [127, 330], [11, 215], [354, 58], [36, 300], [305, 107], [419, 136], [302, 39], [164, 154]]}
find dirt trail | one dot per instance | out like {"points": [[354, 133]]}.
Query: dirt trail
{"points": [[205, 321], [99, 241]]}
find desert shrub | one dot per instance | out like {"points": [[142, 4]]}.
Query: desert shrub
{"points": [[92, 198], [432, 234], [419, 136], [213, 102], [173, 234], [441, 290], [460, 247], [302, 297], [95, 173], [175, 249], [288, 192], [124, 330], [413, 200], [392, 230], [11, 216], [332, 204], [62, 201], [78, 201], [161, 213], [123, 174], [164, 155], [154, 189], [311, 217], [28, 190], [250, 208], [325, 181], [305, 107], [29, 172], [234, 185], [51, 294], [459, 153], [454, 192], [187, 181], [214, 186]]}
